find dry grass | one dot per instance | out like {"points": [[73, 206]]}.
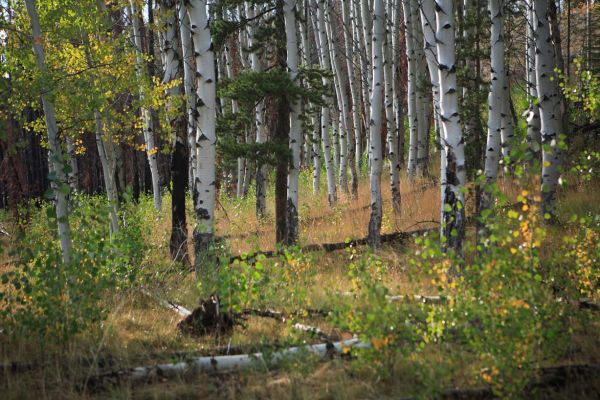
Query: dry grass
{"points": [[140, 332]]}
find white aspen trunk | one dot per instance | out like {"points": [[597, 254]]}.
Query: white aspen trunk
{"points": [[354, 131], [366, 13], [147, 125], [334, 119], [342, 103], [107, 160], [261, 128], [506, 123], [534, 138], [495, 99], [411, 89], [243, 40], [187, 49], [325, 111], [376, 123], [361, 79], [204, 186], [428, 22], [421, 98], [392, 136], [453, 206], [296, 135], [59, 183], [550, 108], [73, 175]]}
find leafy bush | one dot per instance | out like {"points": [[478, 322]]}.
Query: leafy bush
{"points": [[45, 296]]}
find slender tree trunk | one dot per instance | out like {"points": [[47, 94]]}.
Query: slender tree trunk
{"points": [[354, 132], [422, 108], [392, 136], [325, 110], [204, 185], [453, 209], [411, 89], [550, 108], [55, 159], [178, 124], [495, 100], [361, 78], [376, 123], [398, 102], [296, 136], [533, 115], [148, 125], [187, 49], [73, 175]]}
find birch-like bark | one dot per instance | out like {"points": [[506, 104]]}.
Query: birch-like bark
{"points": [[428, 23], [361, 79], [342, 102], [495, 99], [392, 136], [354, 131], [411, 89], [261, 128], [147, 124], [375, 123], [325, 110], [550, 107], [453, 223], [204, 186], [534, 137], [366, 13], [73, 175], [422, 108], [59, 183], [187, 49], [296, 135]]}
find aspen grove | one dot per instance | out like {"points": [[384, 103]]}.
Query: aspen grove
{"points": [[322, 198]]}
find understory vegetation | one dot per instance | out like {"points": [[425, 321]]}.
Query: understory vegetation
{"points": [[493, 317]]}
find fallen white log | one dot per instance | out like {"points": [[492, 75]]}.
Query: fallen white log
{"points": [[230, 363], [184, 312]]}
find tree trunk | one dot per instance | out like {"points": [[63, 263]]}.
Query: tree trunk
{"points": [[453, 210], [295, 130], [148, 125], [177, 123], [59, 183], [550, 110], [392, 136], [376, 124], [325, 110], [495, 100], [204, 186], [534, 138], [411, 89]]}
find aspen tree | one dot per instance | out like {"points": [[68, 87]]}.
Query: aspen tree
{"points": [[495, 99], [411, 88], [392, 136], [296, 136], [550, 107], [147, 124], [204, 185], [453, 211], [354, 131], [325, 110], [533, 113], [55, 158], [375, 123]]}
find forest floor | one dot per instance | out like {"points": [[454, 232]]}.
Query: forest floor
{"points": [[140, 332]]}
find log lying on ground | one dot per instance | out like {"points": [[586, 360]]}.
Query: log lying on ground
{"points": [[224, 363], [329, 247]]}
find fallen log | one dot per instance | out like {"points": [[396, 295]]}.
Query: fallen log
{"points": [[329, 247], [223, 363]]}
